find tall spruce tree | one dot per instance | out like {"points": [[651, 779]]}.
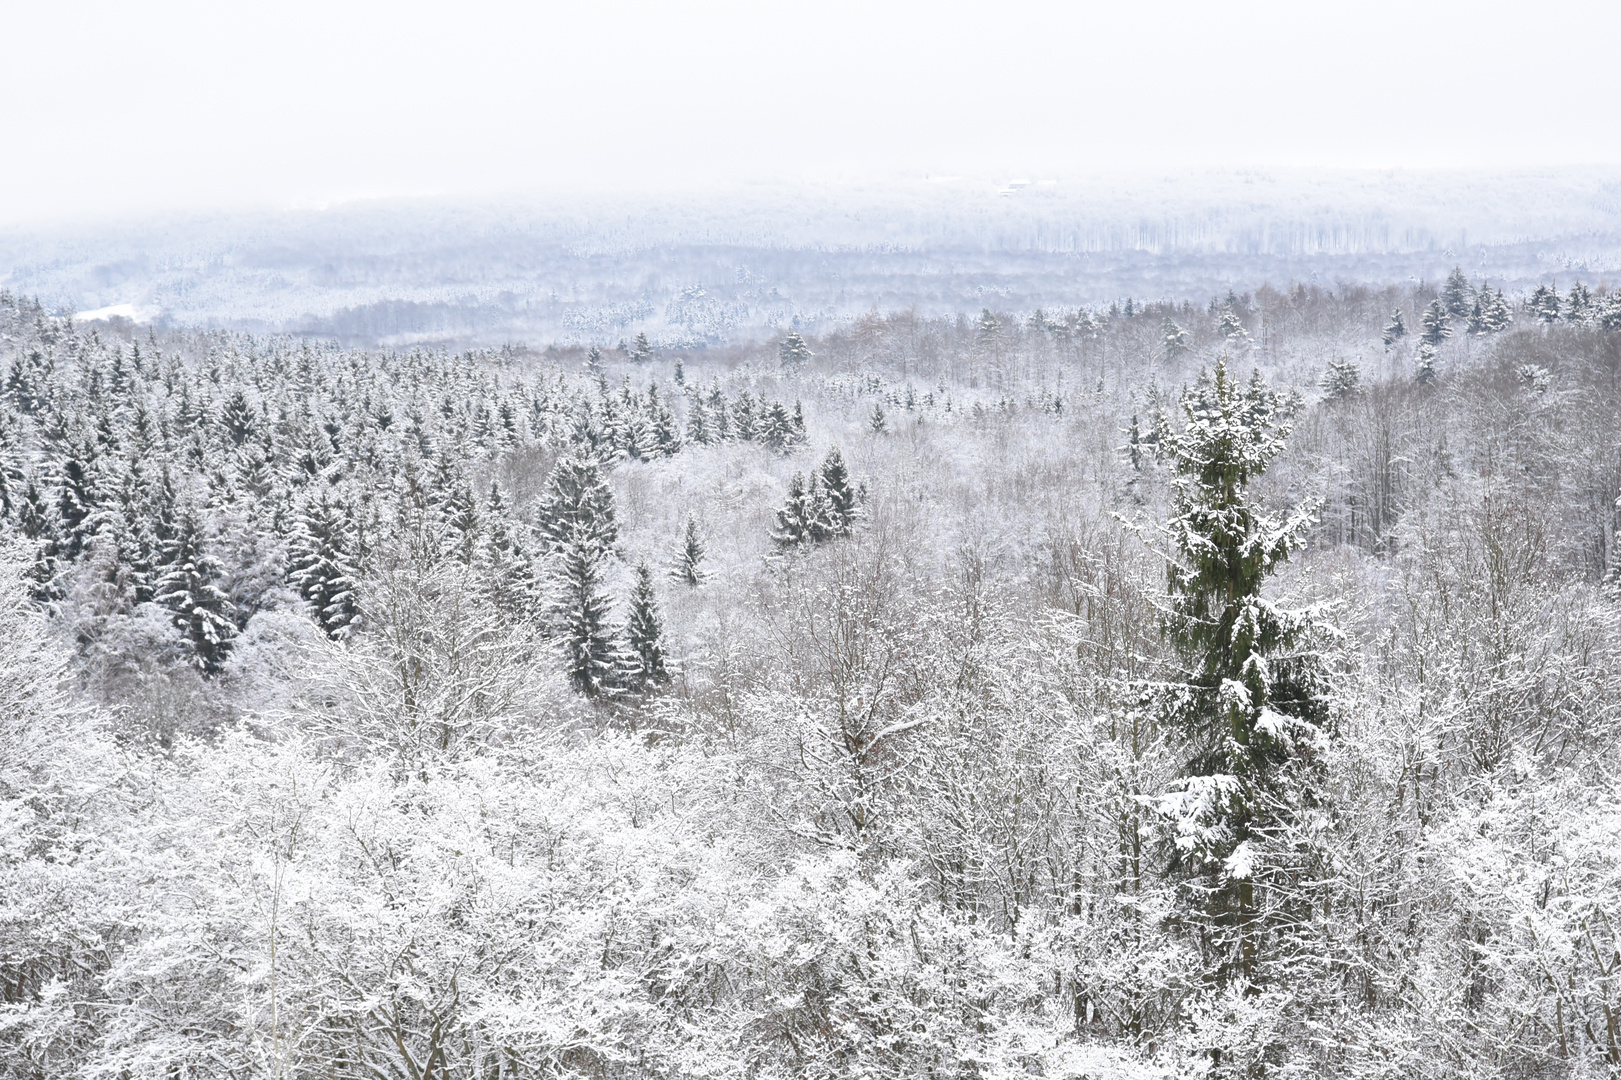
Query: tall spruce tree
{"points": [[877, 422], [38, 529], [1342, 379], [1579, 305], [577, 505], [76, 498], [795, 520], [1544, 304], [777, 427], [642, 667], [665, 432], [580, 607], [1249, 699], [507, 560], [578, 528], [188, 586], [1395, 329], [744, 420], [794, 353], [842, 497], [1231, 327], [687, 567], [698, 432], [321, 563], [236, 418], [1456, 295], [1437, 323], [1498, 315], [1424, 364]]}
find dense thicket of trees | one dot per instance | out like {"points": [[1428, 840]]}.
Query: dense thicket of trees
{"points": [[1225, 690]]}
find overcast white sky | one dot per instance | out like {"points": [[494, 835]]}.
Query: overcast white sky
{"points": [[112, 106]]}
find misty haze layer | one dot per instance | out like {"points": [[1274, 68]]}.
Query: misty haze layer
{"points": [[738, 262]]}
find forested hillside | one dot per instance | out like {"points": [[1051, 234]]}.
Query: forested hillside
{"points": [[1227, 689]]}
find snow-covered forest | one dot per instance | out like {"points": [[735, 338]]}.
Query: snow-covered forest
{"points": [[739, 261], [1222, 689]]}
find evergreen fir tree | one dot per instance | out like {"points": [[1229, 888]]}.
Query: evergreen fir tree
{"points": [[1498, 314], [698, 423], [321, 563], [987, 330], [236, 418], [1437, 327], [666, 440], [1395, 329], [1250, 702], [1231, 327], [1134, 444], [75, 500], [794, 353], [1608, 312], [590, 440], [1456, 295], [461, 521], [777, 427], [642, 667], [744, 421], [580, 607], [841, 495], [1342, 379], [1544, 304], [688, 564], [720, 416], [511, 571], [798, 423], [189, 587], [1579, 305], [576, 506], [38, 529], [128, 522], [641, 350], [795, 520], [878, 423]]}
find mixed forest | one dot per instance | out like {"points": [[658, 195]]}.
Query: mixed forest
{"points": [[1218, 689]]}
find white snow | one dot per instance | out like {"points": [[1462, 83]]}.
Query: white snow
{"points": [[117, 311]]}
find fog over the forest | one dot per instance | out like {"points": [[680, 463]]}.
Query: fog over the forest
{"points": [[732, 261]]}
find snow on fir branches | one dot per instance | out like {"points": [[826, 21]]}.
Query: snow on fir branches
{"points": [[1250, 697]]}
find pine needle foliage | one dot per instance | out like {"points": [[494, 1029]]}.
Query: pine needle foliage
{"points": [[1250, 698]]}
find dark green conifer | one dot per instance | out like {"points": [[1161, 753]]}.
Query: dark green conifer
{"points": [[321, 561], [795, 519], [1456, 295], [793, 352], [509, 565], [1437, 326], [1251, 699], [688, 564], [841, 494], [580, 607], [189, 587], [642, 667], [237, 419], [577, 505], [1395, 329], [777, 427]]}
